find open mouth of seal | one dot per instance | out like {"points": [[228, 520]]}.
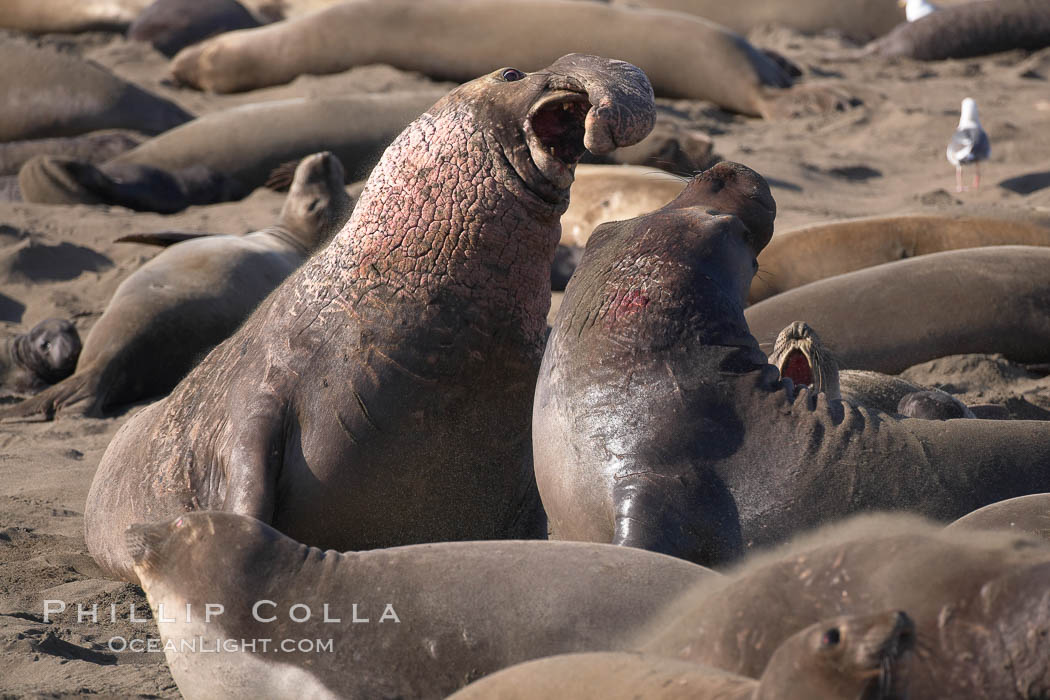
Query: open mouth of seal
{"points": [[796, 368], [554, 131]]}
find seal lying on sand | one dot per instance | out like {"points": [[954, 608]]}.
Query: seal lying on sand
{"points": [[978, 602], [611, 193], [183, 302], [383, 394], [67, 96], [95, 147], [858, 19], [45, 354], [228, 154], [419, 621], [1025, 514], [171, 25], [57, 180], [981, 300], [43, 16], [801, 356], [970, 29], [845, 657], [805, 255], [658, 423], [458, 39]]}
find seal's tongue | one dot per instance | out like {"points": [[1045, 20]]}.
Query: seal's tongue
{"points": [[622, 110]]}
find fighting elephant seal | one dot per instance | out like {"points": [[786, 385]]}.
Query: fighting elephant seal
{"points": [[45, 354], [970, 29], [801, 356], [190, 297], [437, 616], [659, 424], [67, 96], [382, 395], [978, 602], [458, 39], [805, 255], [845, 657], [889, 317], [1026, 514]]}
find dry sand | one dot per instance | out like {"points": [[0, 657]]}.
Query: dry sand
{"points": [[883, 155]]}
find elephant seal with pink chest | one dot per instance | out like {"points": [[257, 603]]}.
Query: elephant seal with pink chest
{"points": [[383, 394]]}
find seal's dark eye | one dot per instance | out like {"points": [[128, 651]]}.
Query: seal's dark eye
{"points": [[830, 638], [46, 345], [512, 74]]}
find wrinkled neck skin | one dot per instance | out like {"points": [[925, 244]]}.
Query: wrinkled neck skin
{"points": [[445, 213]]}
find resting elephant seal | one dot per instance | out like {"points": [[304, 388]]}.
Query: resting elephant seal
{"points": [[67, 96], [658, 423], [1026, 514], [43, 16], [412, 622], [846, 657], [800, 355], [970, 29], [183, 302], [47, 353], [382, 396], [978, 601], [858, 19], [890, 317], [805, 255], [95, 147], [172, 25], [458, 39]]}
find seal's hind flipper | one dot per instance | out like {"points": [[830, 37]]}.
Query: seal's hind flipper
{"points": [[162, 238], [74, 395], [280, 178]]}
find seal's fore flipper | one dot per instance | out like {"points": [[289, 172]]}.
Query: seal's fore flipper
{"points": [[162, 238]]}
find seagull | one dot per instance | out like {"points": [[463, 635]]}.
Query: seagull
{"points": [[969, 144], [916, 9]]}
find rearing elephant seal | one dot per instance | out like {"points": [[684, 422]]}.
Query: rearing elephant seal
{"points": [[47, 353], [407, 622], [190, 297], [845, 657], [382, 396], [658, 423]]}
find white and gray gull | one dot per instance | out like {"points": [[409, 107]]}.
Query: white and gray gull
{"points": [[969, 144]]}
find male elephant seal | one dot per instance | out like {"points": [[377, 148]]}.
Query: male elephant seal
{"points": [[970, 29], [889, 317], [805, 255], [979, 603], [67, 96], [683, 56], [1028, 514], [172, 25], [383, 394], [193, 295], [47, 353], [409, 622], [801, 356], [658, 423], [845, 657]]}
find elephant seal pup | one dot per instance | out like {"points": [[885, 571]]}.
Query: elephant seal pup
{"points": [[55, 180], [658, 423], [860, 314], [46, 354], [382, 396], [801, 356], [44, 16], [1025, 514], [805, 255], [970, 29], [857, 19], [978, 601], [412, 622], [68, 96], [172, 25], [431, 37], [846, 657], [190, 297], [603, 193]]}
